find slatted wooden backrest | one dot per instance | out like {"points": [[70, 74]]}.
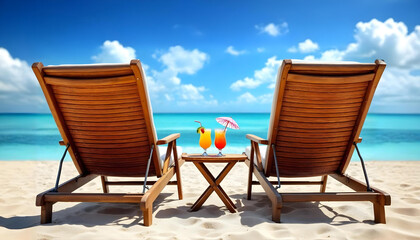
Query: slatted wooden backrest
{"points": [[104, 113], [318, 112]]}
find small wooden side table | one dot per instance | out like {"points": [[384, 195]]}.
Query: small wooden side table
{"points": [[198, 160]]}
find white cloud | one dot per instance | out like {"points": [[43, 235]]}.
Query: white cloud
{"points": [[398, 90], [114, 52], [168, 83], [181, 60], [245, 83], [191, 92], [273, 29], [247, 98], [306, 46], [292, 49], [231, 50], [19, 88], [266, 98], [260, 49], [265, 75], [387, 40]]}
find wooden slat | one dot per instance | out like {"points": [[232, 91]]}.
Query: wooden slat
{"points": [[92, 114], [111, 151], [108, 136], [332, 101], [88, 70], [114, 139], [313, 135], [107, 118], [325, 95], [133, 123], [315, 125], [100, 106], [93, 197], [107, 130], [310, 150], [349, 106], [99, 156], [351, 196], [136, 109], [291, 182], [293, 160], [106, 102], [138, 163], [99, 91], [306, 172], [327, 68], [310, 145], [318, 114], [303, 109], [114, 144], [312, 140], [95, 97], [305, 155], [303, 88], [320, 131], [57, 81], [318, 120], [293, 77], [124, 171], [308, 165], [140, 160], [314, 87]]}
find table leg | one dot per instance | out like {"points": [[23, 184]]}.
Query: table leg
{"points": [[214, 186]]}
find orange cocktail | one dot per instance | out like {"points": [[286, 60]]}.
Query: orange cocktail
{"points": [[220, 140], [205, 140]]}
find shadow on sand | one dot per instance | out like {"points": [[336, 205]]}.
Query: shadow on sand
{"points": [[93, 214]]}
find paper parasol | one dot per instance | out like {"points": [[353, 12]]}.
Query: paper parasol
{"points": [[228, 122]]}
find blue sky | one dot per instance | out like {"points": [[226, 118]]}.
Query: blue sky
{"points": [[209, 56]]}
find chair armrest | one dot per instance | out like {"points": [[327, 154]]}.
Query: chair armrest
{"points": [[257, 139], [168, 139], [61, 143], [359, 140]]}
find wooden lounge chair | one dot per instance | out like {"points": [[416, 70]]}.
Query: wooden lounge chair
{"points": [[317, 115], [104, 116]]}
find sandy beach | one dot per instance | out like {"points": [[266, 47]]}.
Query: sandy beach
{"points": [[23, 180]]}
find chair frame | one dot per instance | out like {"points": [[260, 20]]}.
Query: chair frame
{"points": [[362, 191], [64, 192]]}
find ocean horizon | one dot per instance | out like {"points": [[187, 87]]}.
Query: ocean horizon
{"points": [[34, 136]]}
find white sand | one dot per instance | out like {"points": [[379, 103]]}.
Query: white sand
{"points": [[22, 181]]}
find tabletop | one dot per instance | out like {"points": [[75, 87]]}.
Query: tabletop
{"points": [[196, 157]]}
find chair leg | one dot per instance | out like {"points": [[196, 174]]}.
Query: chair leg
{"points": [[379, 211], [178, 181], [46, 213], [324, 183], [147, 216], [105, 187], [276, 212], [250, 173]]}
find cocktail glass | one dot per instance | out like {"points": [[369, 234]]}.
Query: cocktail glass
{"points": [[205, 140], [220, 140]]}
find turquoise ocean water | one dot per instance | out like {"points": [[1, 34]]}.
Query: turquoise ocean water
{"points": [[35, 136]]}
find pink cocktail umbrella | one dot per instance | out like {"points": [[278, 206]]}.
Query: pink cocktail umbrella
{"points": [[228, 122]]}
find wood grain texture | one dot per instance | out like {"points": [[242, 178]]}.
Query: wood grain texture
{"points": [[316, 110], [104, 113]]}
